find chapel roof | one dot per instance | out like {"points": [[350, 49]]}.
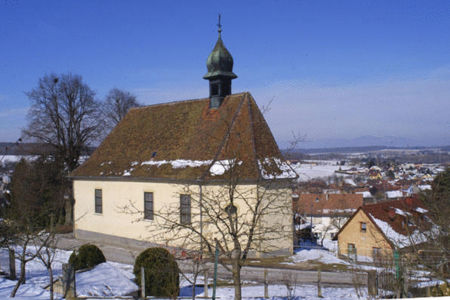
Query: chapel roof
{"points": [[186, 140]]}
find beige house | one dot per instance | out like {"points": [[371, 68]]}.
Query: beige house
{"points": [[376, 230], [170, 173]]}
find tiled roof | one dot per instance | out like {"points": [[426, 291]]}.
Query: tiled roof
{"points": [[391, 219], [186, 141], [327, 204], [396, 213]]}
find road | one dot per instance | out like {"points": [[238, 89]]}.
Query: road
{"points": [[274, 275]]}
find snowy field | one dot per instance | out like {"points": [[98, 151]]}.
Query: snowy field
{"points": [[317, 169], [115, 279]]}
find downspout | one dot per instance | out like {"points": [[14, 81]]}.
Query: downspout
{"points": [[201, 217]]}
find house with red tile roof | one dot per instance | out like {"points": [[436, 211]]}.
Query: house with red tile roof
{"points": [[178, 154], [376, 230], [328, 212]]}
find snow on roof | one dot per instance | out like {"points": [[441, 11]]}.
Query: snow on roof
{"points": [[286, 170], [394, 194], [398, 239], [178, 163], [395, 237], [421, 210], [398, 211], [221, 166], [424, 187], [366, 194], [350, 181]]}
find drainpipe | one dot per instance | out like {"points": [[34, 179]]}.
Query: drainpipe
{"points": [[201, 218]]}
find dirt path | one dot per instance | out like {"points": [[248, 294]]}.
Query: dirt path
{"points": [[275, 275]]}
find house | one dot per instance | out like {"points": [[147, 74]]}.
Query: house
{"points": [[175, 155], [376, 230], [394, 195], [327, 212]]}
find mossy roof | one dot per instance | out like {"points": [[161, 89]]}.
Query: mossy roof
{"points": [[144, 143]]}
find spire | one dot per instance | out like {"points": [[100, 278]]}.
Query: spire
{"points": [[219, 30], [220, 71]]}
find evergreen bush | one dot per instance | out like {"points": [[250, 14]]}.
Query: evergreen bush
{"points": [[162, 275], [87, 256]]}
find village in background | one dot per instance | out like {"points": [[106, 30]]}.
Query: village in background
{"points": [[332, 186]]}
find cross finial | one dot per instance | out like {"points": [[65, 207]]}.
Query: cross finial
{"points": [[219, 25]]}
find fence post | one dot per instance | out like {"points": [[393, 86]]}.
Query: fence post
{"points": [[266, 284], [12, 264], [372, 283], [142, 283], [68, 280], [405, 281], [205, 284], [319, 279]]}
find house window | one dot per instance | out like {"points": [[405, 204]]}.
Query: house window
{"points": [[376, 253], [363, 226], [185, 209], [98, 201], [351, 251], [148, 206]]}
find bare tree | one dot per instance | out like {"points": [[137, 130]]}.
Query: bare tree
{"points": [[116, 106], [429, 231], [243, 215], [25, 237], [241, 219], [65, 116], [47, 242]]}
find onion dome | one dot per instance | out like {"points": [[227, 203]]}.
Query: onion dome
{"points": [[220, 61]]}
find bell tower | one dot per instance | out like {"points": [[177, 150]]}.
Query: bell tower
{"points": [[220, 72]]}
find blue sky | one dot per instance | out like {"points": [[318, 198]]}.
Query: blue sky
{"points": [[332, 69]]}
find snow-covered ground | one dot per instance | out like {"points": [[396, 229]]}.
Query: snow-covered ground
{"points": [[316, 169], [317, 255], [111, 278], [281, 292]]}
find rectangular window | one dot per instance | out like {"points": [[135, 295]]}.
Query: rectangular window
{"points": [[98, 201], [185, 209], [148, 206], [376, 252], [351, 251], [363, 226]]}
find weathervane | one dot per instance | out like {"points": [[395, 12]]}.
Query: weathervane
{"points": [[219, 25]]}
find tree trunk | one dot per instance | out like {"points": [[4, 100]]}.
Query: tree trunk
{"points": [[21, 279], [237, 278], [50, 272], [68, 209]]}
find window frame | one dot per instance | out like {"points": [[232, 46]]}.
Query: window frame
{"points": [[351, 251], [98, 201], [185, 209], [149, 212], [363, 227]]}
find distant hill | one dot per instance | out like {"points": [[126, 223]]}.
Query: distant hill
{"points": [[29, 149], [365, 149], [370, 141]]}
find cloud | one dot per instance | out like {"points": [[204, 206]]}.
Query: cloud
{"points": [[414, 108]]}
